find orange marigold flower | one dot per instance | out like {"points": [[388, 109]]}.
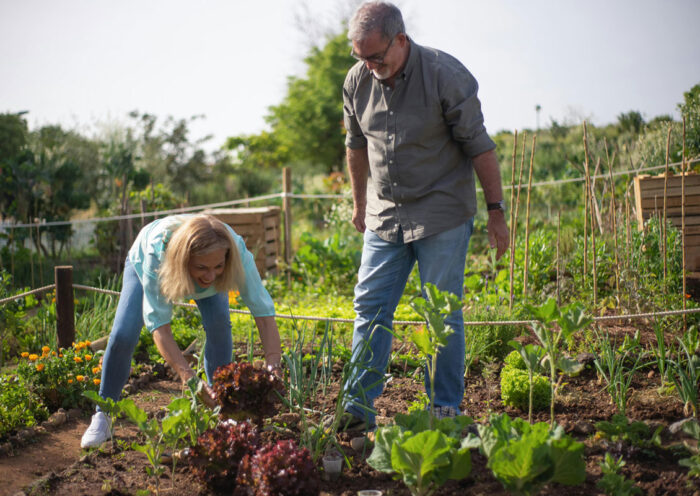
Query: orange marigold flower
{"points": [[25, 354], [77, 360], [60, 355], [80, 378], [88, 357], [33, 357], [70, 381], [45, 349], [96, 382], [95, 370], [39, 367], [53, 353], [87, 343]]}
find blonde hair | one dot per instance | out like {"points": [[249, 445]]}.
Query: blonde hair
{"points": [[198, 235]]}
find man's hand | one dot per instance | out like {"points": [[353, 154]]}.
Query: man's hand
{"points": [[358, 217], [499, 237]]}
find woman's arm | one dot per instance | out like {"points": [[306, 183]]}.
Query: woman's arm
{"points": [[270, 338], [168, 348]]}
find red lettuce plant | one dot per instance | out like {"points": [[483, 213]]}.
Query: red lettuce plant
{"points": [[216, 456], [245, 392], [277, 470]]}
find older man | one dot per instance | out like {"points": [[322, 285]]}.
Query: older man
{"points": [[415, 137]]}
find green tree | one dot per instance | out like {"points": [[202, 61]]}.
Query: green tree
{"points": [[306, 127], [690, 109]]}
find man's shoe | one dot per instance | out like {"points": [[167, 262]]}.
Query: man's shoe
{"points": [[98, 432], [348, 423]]}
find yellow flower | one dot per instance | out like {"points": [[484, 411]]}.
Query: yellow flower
{"points": [[25, 354], [45, 349], [96, 382], [87, 343], [80, 378], [77, 360], [88, 357], [233, 297], [95, 370], [53, 353], [33, 357], [60, 355], [70, 381], [39, 367]]}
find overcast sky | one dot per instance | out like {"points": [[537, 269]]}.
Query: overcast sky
{"points": [[79, 62]]}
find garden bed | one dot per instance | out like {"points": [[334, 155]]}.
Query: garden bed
{"points": [[581, 402]]}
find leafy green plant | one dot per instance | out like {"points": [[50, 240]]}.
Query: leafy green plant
{"points": [[279, 469], [154, 434], [692, 428], [612, 482], [216, 457], [636, 433], [525, 391], [686, 377], [570, 319], [614, 369], [424, 453], [244, 392], [435, 308], [524, 457], [19, 407], [661, 352], [528, 357]]}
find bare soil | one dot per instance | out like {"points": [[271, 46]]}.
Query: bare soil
{"points": [[53, 463]]}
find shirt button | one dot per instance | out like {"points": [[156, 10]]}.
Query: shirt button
{"points": [[391, 112], [400, 204], [391, 161], [395, 184]]}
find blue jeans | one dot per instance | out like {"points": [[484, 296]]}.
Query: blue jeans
{"points": [[126, 330], [382, 279]]}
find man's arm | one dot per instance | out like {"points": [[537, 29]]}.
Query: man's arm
{"points": [[489, 174], [358, 167]]}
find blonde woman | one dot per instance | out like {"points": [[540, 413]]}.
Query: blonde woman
{"points": [[182, 257]]}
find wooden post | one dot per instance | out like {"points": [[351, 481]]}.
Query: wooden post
{"points": [[287, 209], [65, 313]]}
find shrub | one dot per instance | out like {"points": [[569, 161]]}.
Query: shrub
{"points": [[515, 389], [216, 457], [280, 469], [19, 407], [244, 392]]}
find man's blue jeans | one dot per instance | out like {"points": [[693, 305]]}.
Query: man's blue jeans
{"points": [[382, 279], [128, 322]]}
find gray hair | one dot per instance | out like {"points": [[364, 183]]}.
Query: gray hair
{"points": [[373, 16]]}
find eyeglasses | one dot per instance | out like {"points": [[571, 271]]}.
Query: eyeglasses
{"points": [[377, 59]]}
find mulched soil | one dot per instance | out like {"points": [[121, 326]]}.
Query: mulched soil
{"points": [[582, 401]]}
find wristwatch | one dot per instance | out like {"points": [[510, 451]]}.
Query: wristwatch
{"points": [[499, 205]]}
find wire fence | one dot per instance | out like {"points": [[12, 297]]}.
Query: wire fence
{"points": [[604, 318]]}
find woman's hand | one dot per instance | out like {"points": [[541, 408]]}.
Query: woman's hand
{"points": [[207, 395]]}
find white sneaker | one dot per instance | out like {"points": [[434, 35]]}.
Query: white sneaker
{"points": [[98, 432]]}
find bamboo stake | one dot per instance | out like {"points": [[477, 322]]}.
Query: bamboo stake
{"points": [[12, 254], [683, 224], [517, 204], [595, 209], [595, 255], [558, 252], [527, 217], [627, 244], [586, 200], [663, 226], [512, 218], [613, 219]]}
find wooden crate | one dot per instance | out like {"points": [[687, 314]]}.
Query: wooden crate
{"points": [[649, 198], [260, 228]]}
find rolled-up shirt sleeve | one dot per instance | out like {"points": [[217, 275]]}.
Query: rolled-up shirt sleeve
{"points": [[253, 293], [157, 311], [462, 111], [354, 137]]}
